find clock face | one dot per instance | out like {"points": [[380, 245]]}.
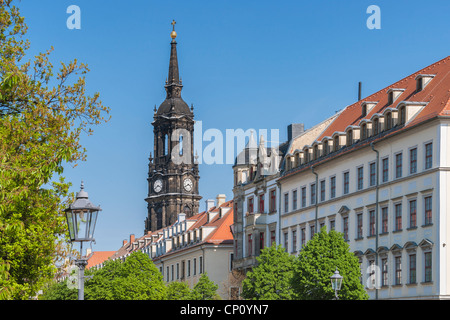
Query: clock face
{"points": [[187, 184], [157, 186]]}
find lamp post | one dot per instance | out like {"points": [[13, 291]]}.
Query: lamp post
{"points": [[336, 282], [81, 218]]}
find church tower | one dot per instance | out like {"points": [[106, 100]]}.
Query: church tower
{"points": [[173, 171]]}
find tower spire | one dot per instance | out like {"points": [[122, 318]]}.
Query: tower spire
{"points": [[173, 84]]}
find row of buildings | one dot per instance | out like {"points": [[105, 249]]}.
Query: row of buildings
{"points": [[376, 171]]}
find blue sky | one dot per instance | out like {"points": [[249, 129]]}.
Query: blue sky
{"points": [[244, 64]]}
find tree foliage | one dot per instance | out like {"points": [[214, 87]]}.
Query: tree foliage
{"points": [[136, 278], [271, 278], [43, 112], [204, 289], [317, 262], [178, 291]]}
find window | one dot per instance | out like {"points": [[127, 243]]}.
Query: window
{"points": [[286, 202], [428, 155], [261, 241], [376, 126], [336, 143], [303, 235], [385, 164], [398, 165], [349, 137], [398, 270], [371, 222], [294, 241], [359, 226], [398, 217], [346, 182], [384, 219], [167, 273], [390, 98], [388, 121], [294, 200], [360, 179], [180, 143], [413, 161], [195, 266], [325, 148], [428, 277], [364, 131], [313, 193], [332, 187], [412, 268], [402, 115], [345, 228], [178, 271], [332, 225], [428, 210], [372, 174], [273, 200], [419, 84], [303, 197], [412, 213], [189, 268], [384, 272], [250, 205], [272, 237], [286, 241], [322, 190], [312, 230], [261, 203]]}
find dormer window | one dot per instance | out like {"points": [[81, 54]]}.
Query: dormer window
{"points": [[336, 143], [349, 137], [367, 106], [393, 94], [364, 131], [402, 114], [316, 152], [422, 81], [388, 122], [376, 126], [325, 147]]}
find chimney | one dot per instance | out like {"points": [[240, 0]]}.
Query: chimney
{"points": [[294, 130], [131, 238], [124, 242], [220, 199], [359, 90], [209, 204]]}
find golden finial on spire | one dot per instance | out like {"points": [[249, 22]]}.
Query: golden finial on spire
{"points": [[173, 34]]}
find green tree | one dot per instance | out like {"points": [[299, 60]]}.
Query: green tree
{"points": [[317, 262], [271, 278], [204, 289], [178, 291], [43, 113], [137, 278], [58, 291]]}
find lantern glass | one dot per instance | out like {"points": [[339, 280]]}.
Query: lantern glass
{"points": [[336, 281], [81, 224]]}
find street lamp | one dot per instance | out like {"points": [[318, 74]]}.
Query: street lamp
{"points": [[81, 218], [336, 282]]}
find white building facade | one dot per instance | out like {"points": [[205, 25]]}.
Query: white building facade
{"points": [[378, 172]]}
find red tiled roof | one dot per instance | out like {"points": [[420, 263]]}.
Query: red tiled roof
{"points": [[436, 93], [98, 257]]}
